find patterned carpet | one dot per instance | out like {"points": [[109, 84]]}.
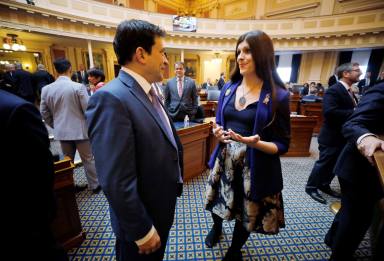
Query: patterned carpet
{"points": [[306, 224]]}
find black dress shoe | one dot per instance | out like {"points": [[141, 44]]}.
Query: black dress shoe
{"points": [[80, 188], [213, 237], [329, 191], [233, 255], [96, 190], [316, 196]]}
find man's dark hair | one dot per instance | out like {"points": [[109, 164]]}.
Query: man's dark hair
{"points": [[61, 65], [94, 72], [131, 34]]}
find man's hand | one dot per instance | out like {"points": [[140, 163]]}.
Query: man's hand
{"points": [[151, 245], [369, 145]]}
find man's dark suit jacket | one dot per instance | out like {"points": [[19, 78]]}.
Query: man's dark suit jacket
{"points": [[332, 80], [40, 79], [179, 107], [24, 85], [137, 164], [8, 84], [76, 76], [27, 168], [367, 118], [337, 107], [220, 83], [363, 87]]}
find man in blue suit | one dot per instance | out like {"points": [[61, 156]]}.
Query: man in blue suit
{"points": [[359, 181], [137, 152], [338, 104], [180, 95]]}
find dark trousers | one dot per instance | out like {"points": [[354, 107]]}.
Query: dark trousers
{"points": [[240, 234], [354, 217], [322, 173], [128, 250]]}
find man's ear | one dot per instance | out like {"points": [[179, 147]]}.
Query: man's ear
{"points": [[140, 55]]}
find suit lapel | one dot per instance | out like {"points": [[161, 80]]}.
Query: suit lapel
{"points": [[139, 93]]}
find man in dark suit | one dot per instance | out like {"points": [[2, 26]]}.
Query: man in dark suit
{"points": [[332, 80], [180, 95], [81, 76], [359, 181], [28, 165], [366, 83], [221, 81], [41, 78], [380, 79], [23, 82], [139, 157], [8, 83], [338, 104]]}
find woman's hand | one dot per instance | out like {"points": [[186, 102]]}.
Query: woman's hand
{"points": [[220, 134], [250, 141]]}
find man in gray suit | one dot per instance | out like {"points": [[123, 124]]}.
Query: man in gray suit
{"points": [[180, 95], [63, 104]]}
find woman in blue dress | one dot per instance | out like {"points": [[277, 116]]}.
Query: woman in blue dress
{"points": [[253, 129]]}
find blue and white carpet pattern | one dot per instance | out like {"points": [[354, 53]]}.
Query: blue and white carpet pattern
{"points": [[306, 224]]}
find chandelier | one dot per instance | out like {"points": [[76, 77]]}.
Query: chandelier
{"points": [[11, 42]]}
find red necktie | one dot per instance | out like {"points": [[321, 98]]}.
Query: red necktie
{"points": [[179, 87], [352, 97]]}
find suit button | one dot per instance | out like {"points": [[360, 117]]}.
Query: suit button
{"points": [[175, 158]]}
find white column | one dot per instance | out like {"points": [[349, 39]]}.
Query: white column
{"points": [[182, 55], [90, 54]]}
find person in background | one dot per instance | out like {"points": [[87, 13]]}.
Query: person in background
{"points": [[180, 95], [305, 89], [23, 83], [41, 78], [28, 164], [320, 89], [81, 76], [333, 79], [311, 96], [338, 104], [221, 82], [380, 79], [253, 129], [366, 83], [8, 83], [206, 84], [139, 158], [63, 104], [96, 79], [359, 181]]}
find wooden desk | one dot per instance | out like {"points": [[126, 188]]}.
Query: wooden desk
{"points": [[379, 161], [209, 108], [195, 143], [203, 95], [313, 109], [301, 134], [294, 103], [66, 226]]}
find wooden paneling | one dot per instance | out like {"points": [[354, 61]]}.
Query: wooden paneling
{"points": [[209, 108], [66, 226], [194, 140], [301, 134], [313, 109]]}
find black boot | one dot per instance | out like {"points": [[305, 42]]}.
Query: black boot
{"points": [[233, 255], [213, 237]]}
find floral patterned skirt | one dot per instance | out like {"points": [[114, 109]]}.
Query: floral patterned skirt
{"points": [[228, 193]]}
